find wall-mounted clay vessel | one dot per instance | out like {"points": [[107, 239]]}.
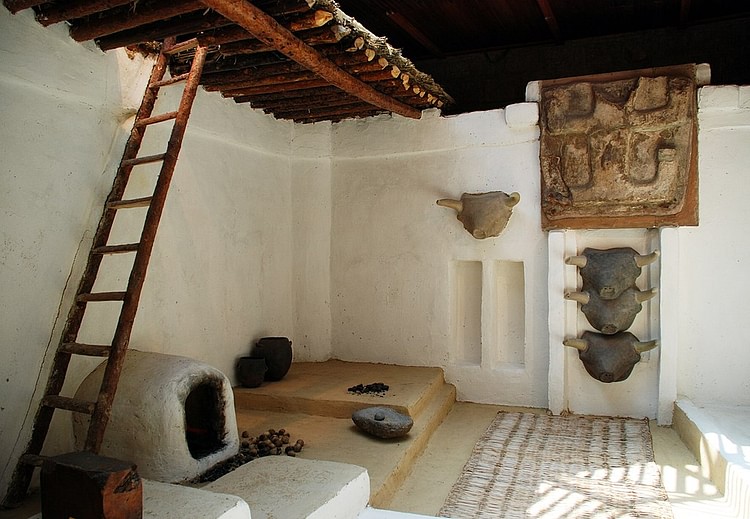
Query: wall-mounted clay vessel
{"points": [[610, 358], [484, 215], [612, 271], [610, 316]]}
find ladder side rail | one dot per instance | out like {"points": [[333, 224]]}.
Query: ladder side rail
{"points": [[77, 310], [116, 359], [118, 189]]}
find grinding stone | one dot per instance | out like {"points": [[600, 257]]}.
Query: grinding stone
{"points": [[382, 422]]}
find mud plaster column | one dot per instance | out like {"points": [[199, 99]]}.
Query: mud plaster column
{"points": [[562, 315], [669, 319]]}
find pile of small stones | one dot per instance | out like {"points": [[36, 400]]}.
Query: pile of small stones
{"points": [[271, 442], [376, 388]]}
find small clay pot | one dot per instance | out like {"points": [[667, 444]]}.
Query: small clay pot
{"points": [[251, 371], [278, 354]]}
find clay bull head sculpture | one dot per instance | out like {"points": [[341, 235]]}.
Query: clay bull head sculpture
{"points": [[610, 316], [610, 358], [610, 272], [484, 215]]}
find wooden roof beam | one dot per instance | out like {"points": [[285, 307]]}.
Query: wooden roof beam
{"points": [[350, 61], [268, 30], [549, 17], [276, 87], [312, 37], [116, 22], [232, 34], [283, 72], [241, 64], [59, 12], [312, 101], [294, 94], [160, 30], [19, 5], [335, 118], [352, 108], [291, 77]]}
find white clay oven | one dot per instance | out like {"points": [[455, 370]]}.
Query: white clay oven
{"points": [[172, 416]]}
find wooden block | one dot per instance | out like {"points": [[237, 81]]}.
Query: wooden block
{"points": [[87, 486]]}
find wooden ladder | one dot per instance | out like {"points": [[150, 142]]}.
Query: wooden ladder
{"points": [[115, 352]]}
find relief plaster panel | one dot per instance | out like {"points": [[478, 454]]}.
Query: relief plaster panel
{"points": [[618, 150]]}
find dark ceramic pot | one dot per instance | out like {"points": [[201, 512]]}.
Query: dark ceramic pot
{"points": [[251, 371], [278, 354]]}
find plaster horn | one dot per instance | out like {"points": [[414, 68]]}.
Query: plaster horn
{"points": [[579, 344]]}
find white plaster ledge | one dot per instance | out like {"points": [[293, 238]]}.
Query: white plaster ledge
{"points": [[720, 440], [167, 501], [281, 487], [522, 115], [723, 96]]}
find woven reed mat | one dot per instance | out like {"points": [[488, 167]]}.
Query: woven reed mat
{"points": [[539, 466]]}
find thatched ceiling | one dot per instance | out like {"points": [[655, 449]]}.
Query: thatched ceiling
{"points": [[344, 70]]}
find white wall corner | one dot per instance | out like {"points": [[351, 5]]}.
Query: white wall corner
{"points": [[522, 115], [724, 96], [669, 318]]}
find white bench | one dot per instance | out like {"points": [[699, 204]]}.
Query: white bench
{"points": [[282, 487]]}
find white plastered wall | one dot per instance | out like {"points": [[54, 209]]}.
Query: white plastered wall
{"points": [[409, 285], [222, 269], [714, 346]]}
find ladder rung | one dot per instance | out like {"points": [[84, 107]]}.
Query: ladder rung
{"points": [[33, 459], [129, 204], [117, 249], [101, 296], [170, 81], [90, 350], [179, 47], [69, 404], [143, 160], [156, 119]]}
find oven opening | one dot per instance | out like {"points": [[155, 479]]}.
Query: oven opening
{"points": [[204, 419]]}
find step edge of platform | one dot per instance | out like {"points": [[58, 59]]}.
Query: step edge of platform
{"points": [[428, 423], [310, 406], [418, 407]]}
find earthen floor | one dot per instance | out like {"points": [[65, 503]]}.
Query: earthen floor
{"points": [[415, 473]]}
